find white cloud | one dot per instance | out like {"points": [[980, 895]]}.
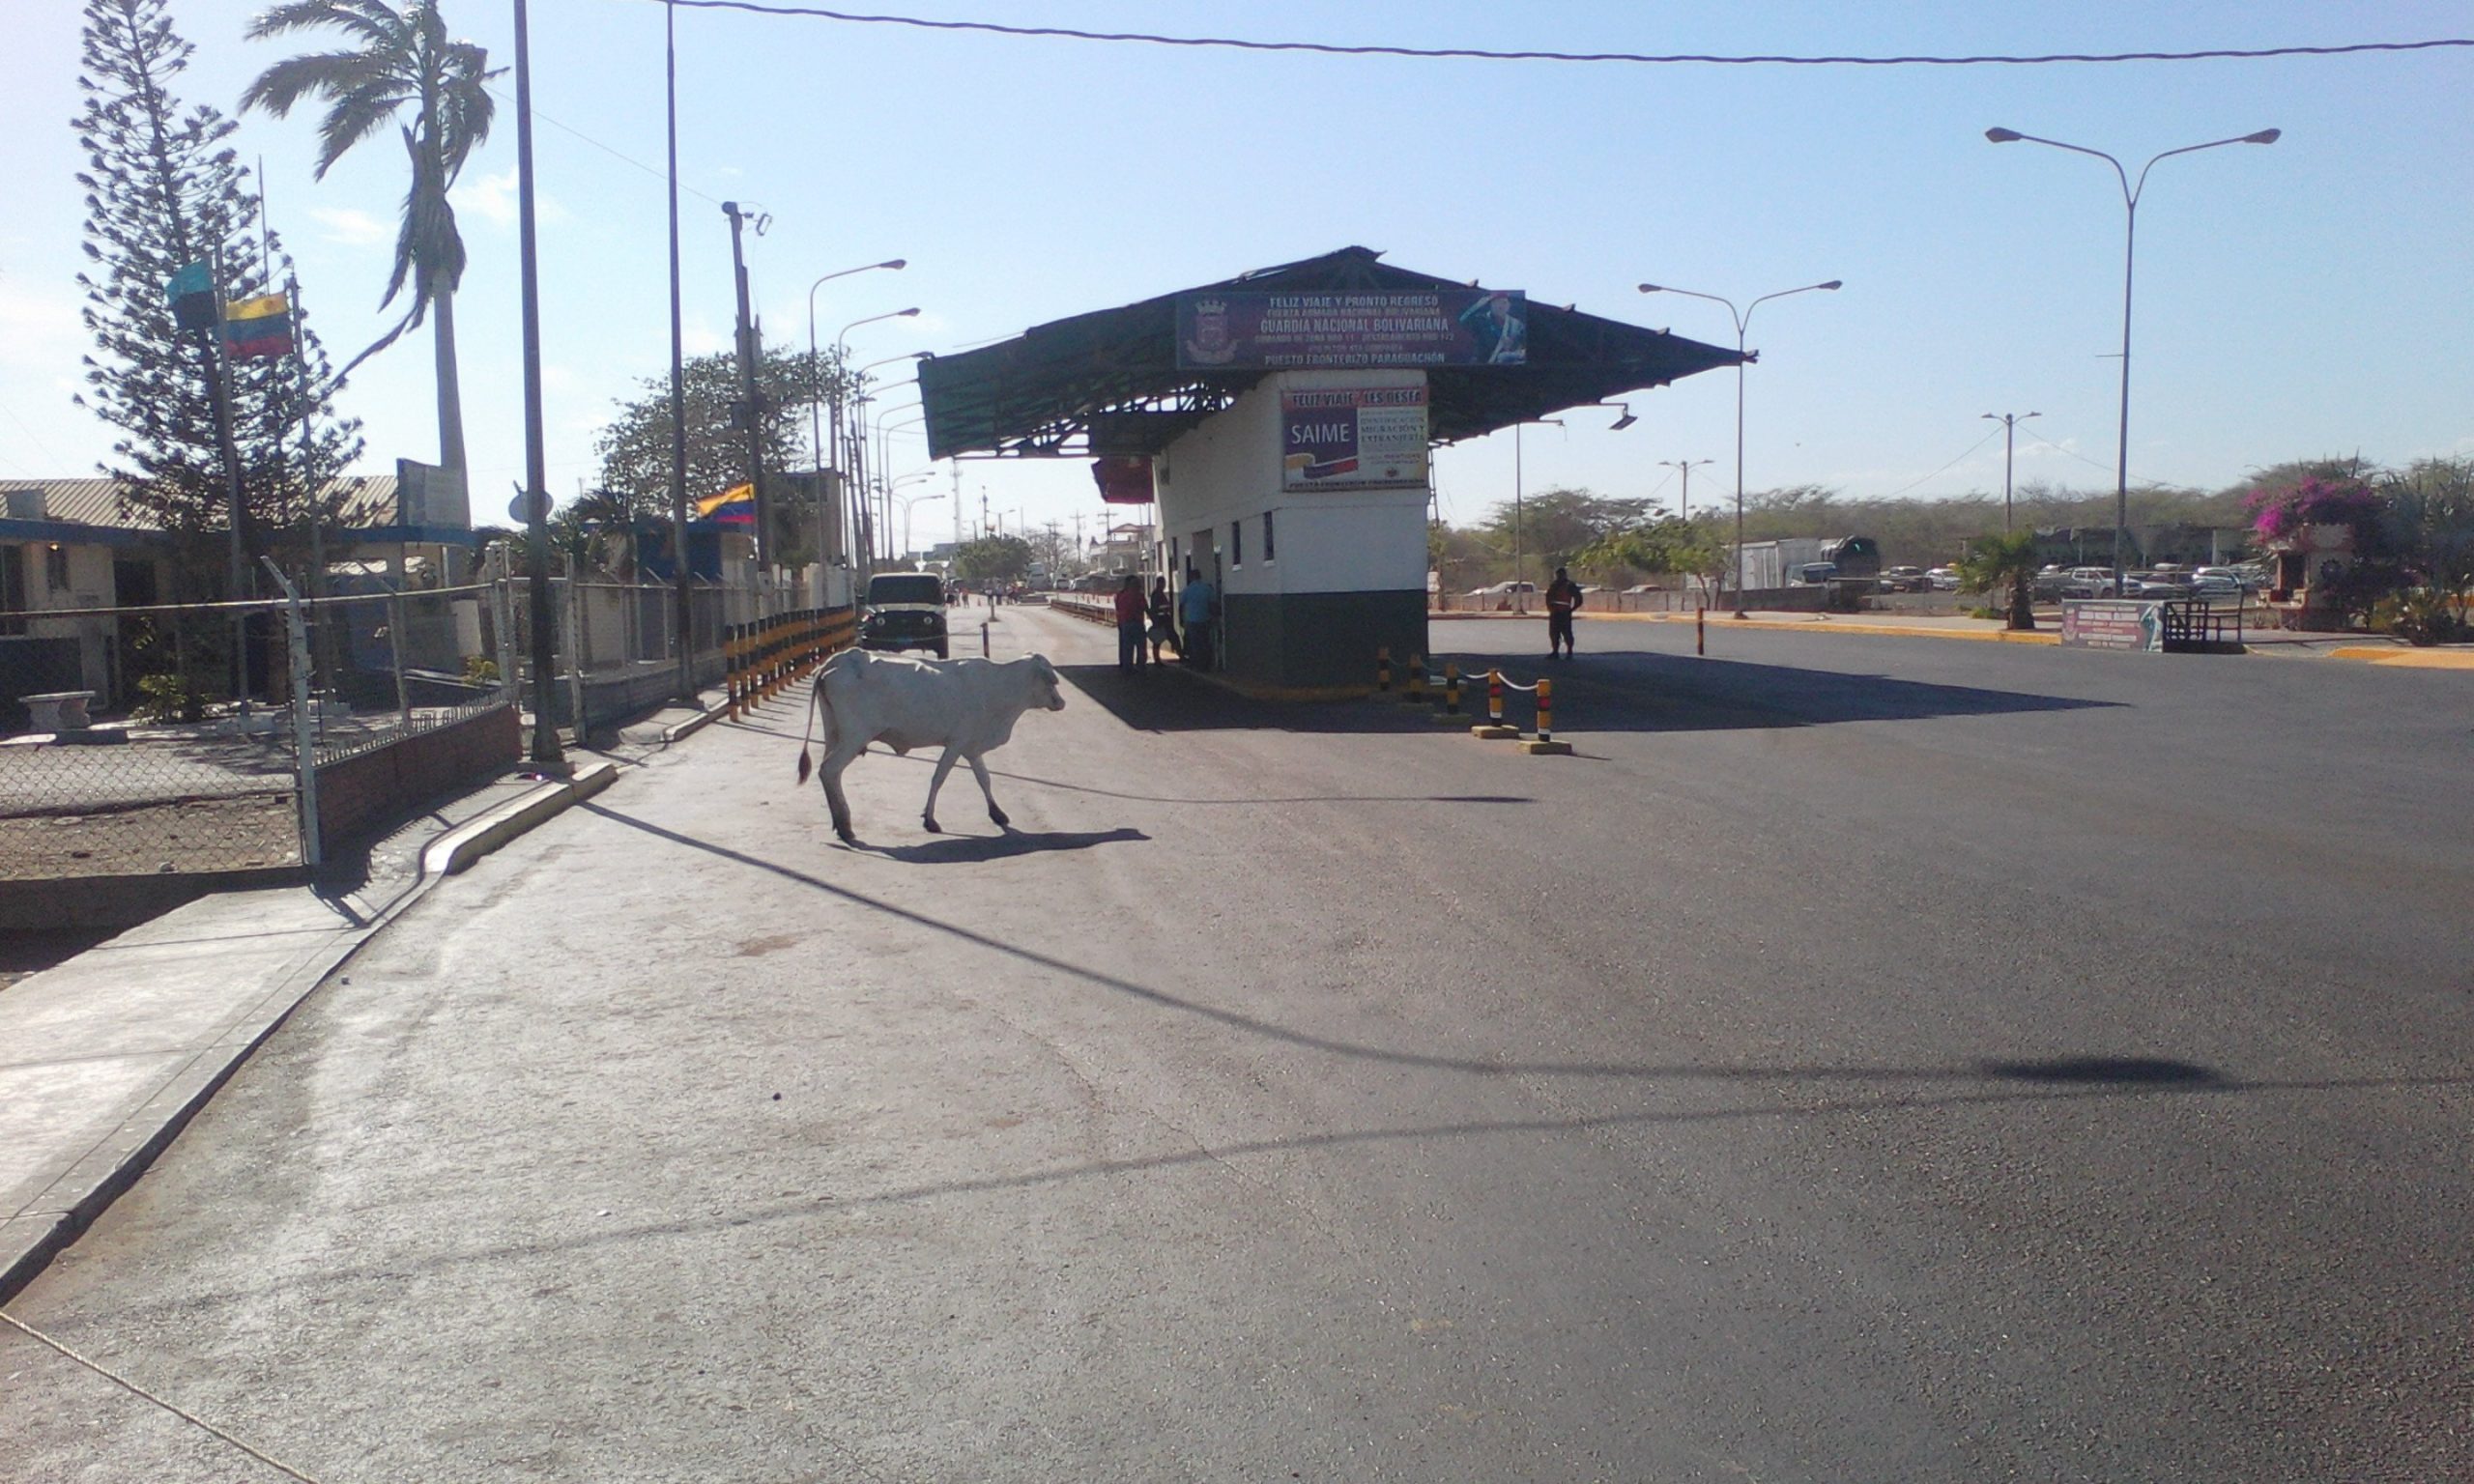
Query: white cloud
{"points": [[349, 227], [493, 198]]}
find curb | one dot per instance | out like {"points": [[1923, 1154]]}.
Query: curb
{"points": [[671, 735], [2453, 658], [1801, 626], [459, 847]]}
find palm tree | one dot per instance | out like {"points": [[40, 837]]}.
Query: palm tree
{"points": [[400, 61], [2006, 559]]}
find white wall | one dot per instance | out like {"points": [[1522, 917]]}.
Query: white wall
{"points": [[1228, 470]]}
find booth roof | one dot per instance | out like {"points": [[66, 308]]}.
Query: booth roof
{"points": [[1109, 382]]}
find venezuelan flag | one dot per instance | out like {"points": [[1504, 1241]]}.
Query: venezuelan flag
{"points": [[734, 506], [254, 327]]}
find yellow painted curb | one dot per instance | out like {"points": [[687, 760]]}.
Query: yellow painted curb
{"points": [[2407, 659], [1826, 626]]}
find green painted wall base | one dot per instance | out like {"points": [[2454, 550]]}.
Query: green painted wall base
{"points": [[1322, 638]]}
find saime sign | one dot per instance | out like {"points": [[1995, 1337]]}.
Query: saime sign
{"points": [[1358, 438]]}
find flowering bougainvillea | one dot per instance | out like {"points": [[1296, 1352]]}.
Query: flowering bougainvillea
{"points": [[2277, 515]]}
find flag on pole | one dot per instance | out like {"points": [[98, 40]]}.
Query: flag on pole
{"points": [[191, 295], [254, 327], [734, 506]]}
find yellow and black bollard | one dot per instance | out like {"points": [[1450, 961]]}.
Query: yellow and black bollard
{"points": [[1417, 693], [1544, 742], [1493, 727], [1382, 667], [1701, 629], [1451, 714]]}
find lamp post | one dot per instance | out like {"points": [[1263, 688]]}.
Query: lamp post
{"points": [[2010, 446], [908, 500], [1519, 597], [2130, 236], [840, 344], [1684, 467], [1742, 318], [816, 371]]}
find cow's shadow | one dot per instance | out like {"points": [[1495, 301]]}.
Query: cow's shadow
{"points": [[953, 849]]}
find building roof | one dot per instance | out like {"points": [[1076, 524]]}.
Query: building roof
{"points": [[368, 500], [1042, 394]]}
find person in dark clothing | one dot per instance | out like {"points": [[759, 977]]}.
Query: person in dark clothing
{"points": [[1563, 600], [1162, 617], [1131, 614]]}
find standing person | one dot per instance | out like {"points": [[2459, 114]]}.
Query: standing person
{"points": [[1194, 604], [1162, 617], [1131, 612], [1563, 600]]}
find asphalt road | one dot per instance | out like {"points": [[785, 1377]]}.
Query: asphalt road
{"points": [[1871, 1059]]}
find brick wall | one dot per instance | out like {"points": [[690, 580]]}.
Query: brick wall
{"points": [[359, 793]]}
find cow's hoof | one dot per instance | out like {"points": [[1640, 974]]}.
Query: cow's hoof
{"points": [[848, 837], [999, 816], [930, 823]]}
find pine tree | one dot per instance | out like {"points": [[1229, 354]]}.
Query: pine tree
{"points": [[164, 189]]}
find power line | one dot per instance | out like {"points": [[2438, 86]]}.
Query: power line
{"points": [[1476, 54], [2068, 453], [1944, 469], [654, 171]]}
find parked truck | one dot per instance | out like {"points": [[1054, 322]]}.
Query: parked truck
{"points": [[1798, 562]]}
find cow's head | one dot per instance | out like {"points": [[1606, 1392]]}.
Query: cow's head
{"points": [[1048, 691]]}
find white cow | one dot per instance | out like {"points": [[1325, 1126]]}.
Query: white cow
{"points": [[965, 706]]}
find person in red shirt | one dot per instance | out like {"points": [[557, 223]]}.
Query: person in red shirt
{"points": [[1133, 615]]}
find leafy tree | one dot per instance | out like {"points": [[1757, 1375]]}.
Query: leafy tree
{"points": [[1668, 544], [993, 559], [2005, 559], [1554, 523], [400, 62], [163, 189], [635, 447], [2431, 515]]}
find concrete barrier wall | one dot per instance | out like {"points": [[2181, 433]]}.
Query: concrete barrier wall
{"points": [[360, 792]]}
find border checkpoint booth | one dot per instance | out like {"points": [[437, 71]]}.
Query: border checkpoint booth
{"points": [[1281, 420]]}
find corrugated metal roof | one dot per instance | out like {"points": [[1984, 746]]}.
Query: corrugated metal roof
{"points": [[368, 500]]}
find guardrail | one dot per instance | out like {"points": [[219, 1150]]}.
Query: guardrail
{"points": [[761, 657], [1092, 609]]}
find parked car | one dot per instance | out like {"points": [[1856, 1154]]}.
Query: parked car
{"points": [[905, 611], [1941, 578], [1904, 580], [2088, 582], [2219, 582]]}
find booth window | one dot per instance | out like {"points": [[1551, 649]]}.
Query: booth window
{"points": [[1236, 543], [55, 567], [1270, 552], [12, 591]]}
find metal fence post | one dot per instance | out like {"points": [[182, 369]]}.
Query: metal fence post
{"points": [[395, 657], [304, 741], [575, 655]]}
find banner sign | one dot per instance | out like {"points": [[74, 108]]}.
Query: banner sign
{"points": [[1362, 438], [1383, 327], [2111, 623]]}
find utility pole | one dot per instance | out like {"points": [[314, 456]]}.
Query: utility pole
{"points": [[1684, 467], [683, 616], [546, 750], [751, 406], [2009, 444]]}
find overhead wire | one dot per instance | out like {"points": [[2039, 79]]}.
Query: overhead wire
{"points": [[1481, 54], [1944, 469]]}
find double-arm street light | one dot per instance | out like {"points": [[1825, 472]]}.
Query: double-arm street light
{"points": [[816, 371], [840, 347], [1684, 467], [2009, 447], [2130, 235], [1742, 318]]}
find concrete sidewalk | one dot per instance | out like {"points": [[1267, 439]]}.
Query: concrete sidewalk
{"points": [[105, 1057]]}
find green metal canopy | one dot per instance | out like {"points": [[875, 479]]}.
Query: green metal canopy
{"points": [[1109, 383]]}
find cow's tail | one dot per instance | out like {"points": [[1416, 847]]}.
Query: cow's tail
{"points": [[816, 706]]}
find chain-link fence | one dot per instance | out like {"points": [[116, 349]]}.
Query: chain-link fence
{"points": [[169, 738]]}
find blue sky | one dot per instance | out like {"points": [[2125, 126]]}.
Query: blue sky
{"points": [[2309, 298]]}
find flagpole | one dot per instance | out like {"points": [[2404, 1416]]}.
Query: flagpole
{"points": [[237, 567]]}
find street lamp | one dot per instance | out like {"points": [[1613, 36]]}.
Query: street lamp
{"points": [[908, 500], [1684, 468], [2130, 235], [815, 376], [1519, 597], [1742, 318], [2009, 442], [841, 347]]}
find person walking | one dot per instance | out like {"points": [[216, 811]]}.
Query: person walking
{"points": [[1194, 604], [1163, 619], [1132, 614], [1563, 600]]}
